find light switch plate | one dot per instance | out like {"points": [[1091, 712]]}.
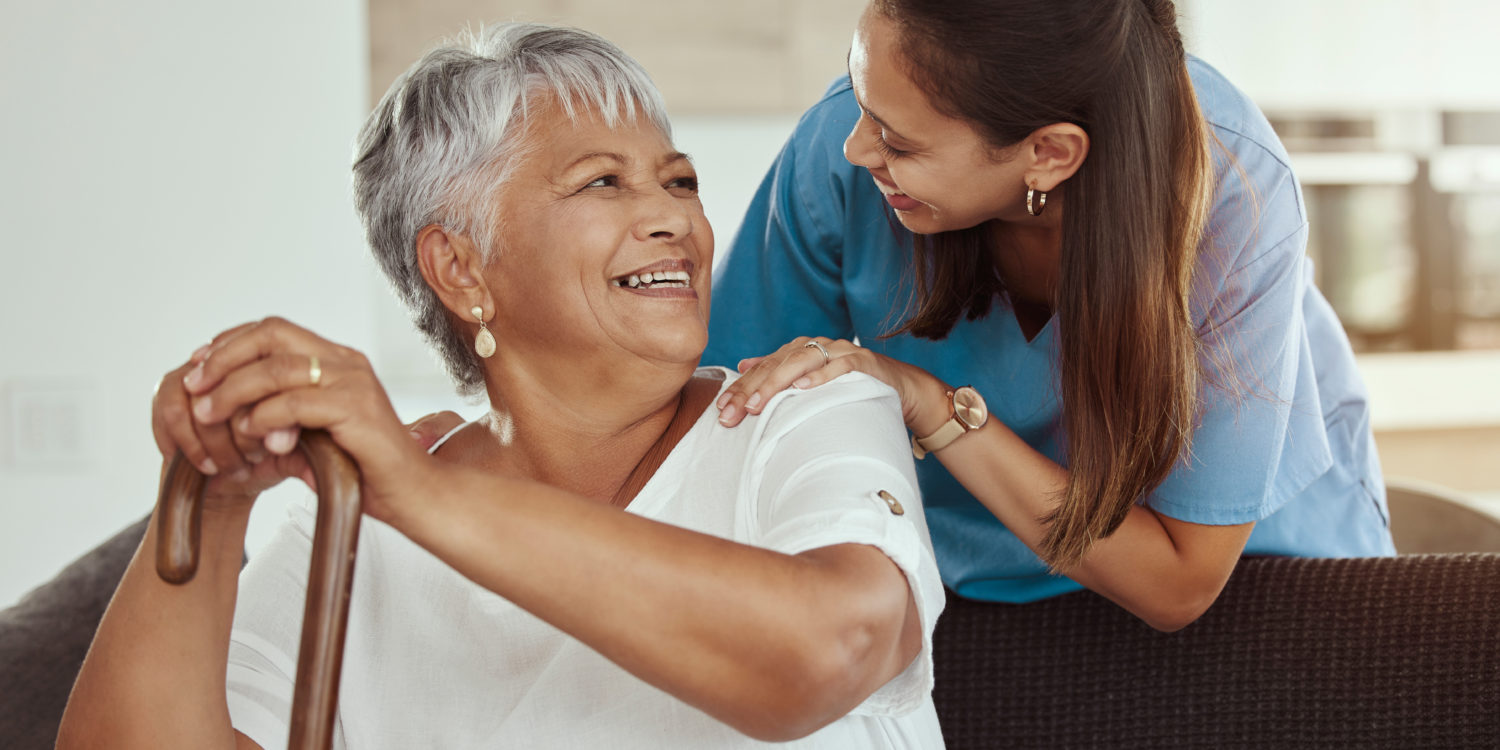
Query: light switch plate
{"points": [[52, 425]]}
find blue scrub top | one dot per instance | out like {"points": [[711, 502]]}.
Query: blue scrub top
{"points": [[819, 254]]}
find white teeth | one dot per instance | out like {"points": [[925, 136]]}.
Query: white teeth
{"points": [[666, 279], [887, 189]]}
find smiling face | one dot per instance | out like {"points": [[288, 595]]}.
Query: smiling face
{"points": [[602, 252], [936, 171]]}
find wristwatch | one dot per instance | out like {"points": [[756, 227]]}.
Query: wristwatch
{"points": [[969, 414]]}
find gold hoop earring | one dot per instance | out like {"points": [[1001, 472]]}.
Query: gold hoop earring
{"points": [[484, 343], [1041, 201]]}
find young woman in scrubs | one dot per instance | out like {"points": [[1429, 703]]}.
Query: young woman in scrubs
{"points": [[1078, 255]]}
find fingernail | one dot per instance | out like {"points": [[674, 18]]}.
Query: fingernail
{"points": [[193, 377], [200, 353], [801, 383], [281, 442], [208, 467], [728, 415], [753, 401], [203, 408], [244, 423], [240, 475], [255, 457]]}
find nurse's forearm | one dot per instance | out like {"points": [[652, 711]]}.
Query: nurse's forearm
{"points": [[775, 645], [1164, 571]]}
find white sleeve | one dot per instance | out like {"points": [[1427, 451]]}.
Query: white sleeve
{"points": [[823, 460], [266, 635]]}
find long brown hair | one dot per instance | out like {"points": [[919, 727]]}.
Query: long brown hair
{"points": [[1134, 214]]}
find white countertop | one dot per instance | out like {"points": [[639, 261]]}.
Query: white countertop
{"points": [[1433, 390]]}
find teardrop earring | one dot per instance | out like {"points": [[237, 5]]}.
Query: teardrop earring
{"points": [[484, 343]]}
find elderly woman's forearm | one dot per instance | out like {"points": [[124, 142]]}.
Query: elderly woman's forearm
{"points": [[772, 644], [155, 674]]}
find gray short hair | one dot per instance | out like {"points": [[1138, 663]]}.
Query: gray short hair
{"points": [[444, 138]]}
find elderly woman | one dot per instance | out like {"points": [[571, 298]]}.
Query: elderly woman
{"points": [[595, 562]]}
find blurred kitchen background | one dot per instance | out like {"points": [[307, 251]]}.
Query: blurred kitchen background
{"points": [[169, 168]]}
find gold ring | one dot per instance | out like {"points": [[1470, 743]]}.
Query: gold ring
{"points": [[314, 370], [819, 347]]}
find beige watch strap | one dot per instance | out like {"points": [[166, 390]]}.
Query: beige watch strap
{"points": [[949, 432]]}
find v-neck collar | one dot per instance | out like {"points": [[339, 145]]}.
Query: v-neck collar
{"points": [[1015, 323]]}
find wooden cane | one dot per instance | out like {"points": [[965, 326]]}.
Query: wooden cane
{"points": [[326, 614]]}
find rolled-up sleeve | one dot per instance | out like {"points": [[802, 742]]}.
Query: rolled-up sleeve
{"points": [[836, 469]]}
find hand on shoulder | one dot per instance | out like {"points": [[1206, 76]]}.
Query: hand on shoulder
{"points": [[806, 362]]}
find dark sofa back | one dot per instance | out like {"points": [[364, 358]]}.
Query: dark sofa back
{"points": [[1397, 652]]}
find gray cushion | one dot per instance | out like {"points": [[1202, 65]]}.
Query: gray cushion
{"points": [[44, 637]]}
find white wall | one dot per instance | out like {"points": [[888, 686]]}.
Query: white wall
{"points": [[167, 169], [171, 169]]}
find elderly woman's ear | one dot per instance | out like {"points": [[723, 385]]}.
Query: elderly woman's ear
{"points": [[454, 268]]}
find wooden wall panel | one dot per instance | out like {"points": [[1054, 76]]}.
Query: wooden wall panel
{"points": [[771, 56]]}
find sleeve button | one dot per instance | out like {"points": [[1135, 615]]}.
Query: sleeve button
{"points": [[892, 503]]}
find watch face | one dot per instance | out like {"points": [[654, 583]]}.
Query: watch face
{"points": [[969, 408]]}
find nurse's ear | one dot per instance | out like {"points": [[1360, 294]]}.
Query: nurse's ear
{"points": [[1055, 153], [453, 267]]}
